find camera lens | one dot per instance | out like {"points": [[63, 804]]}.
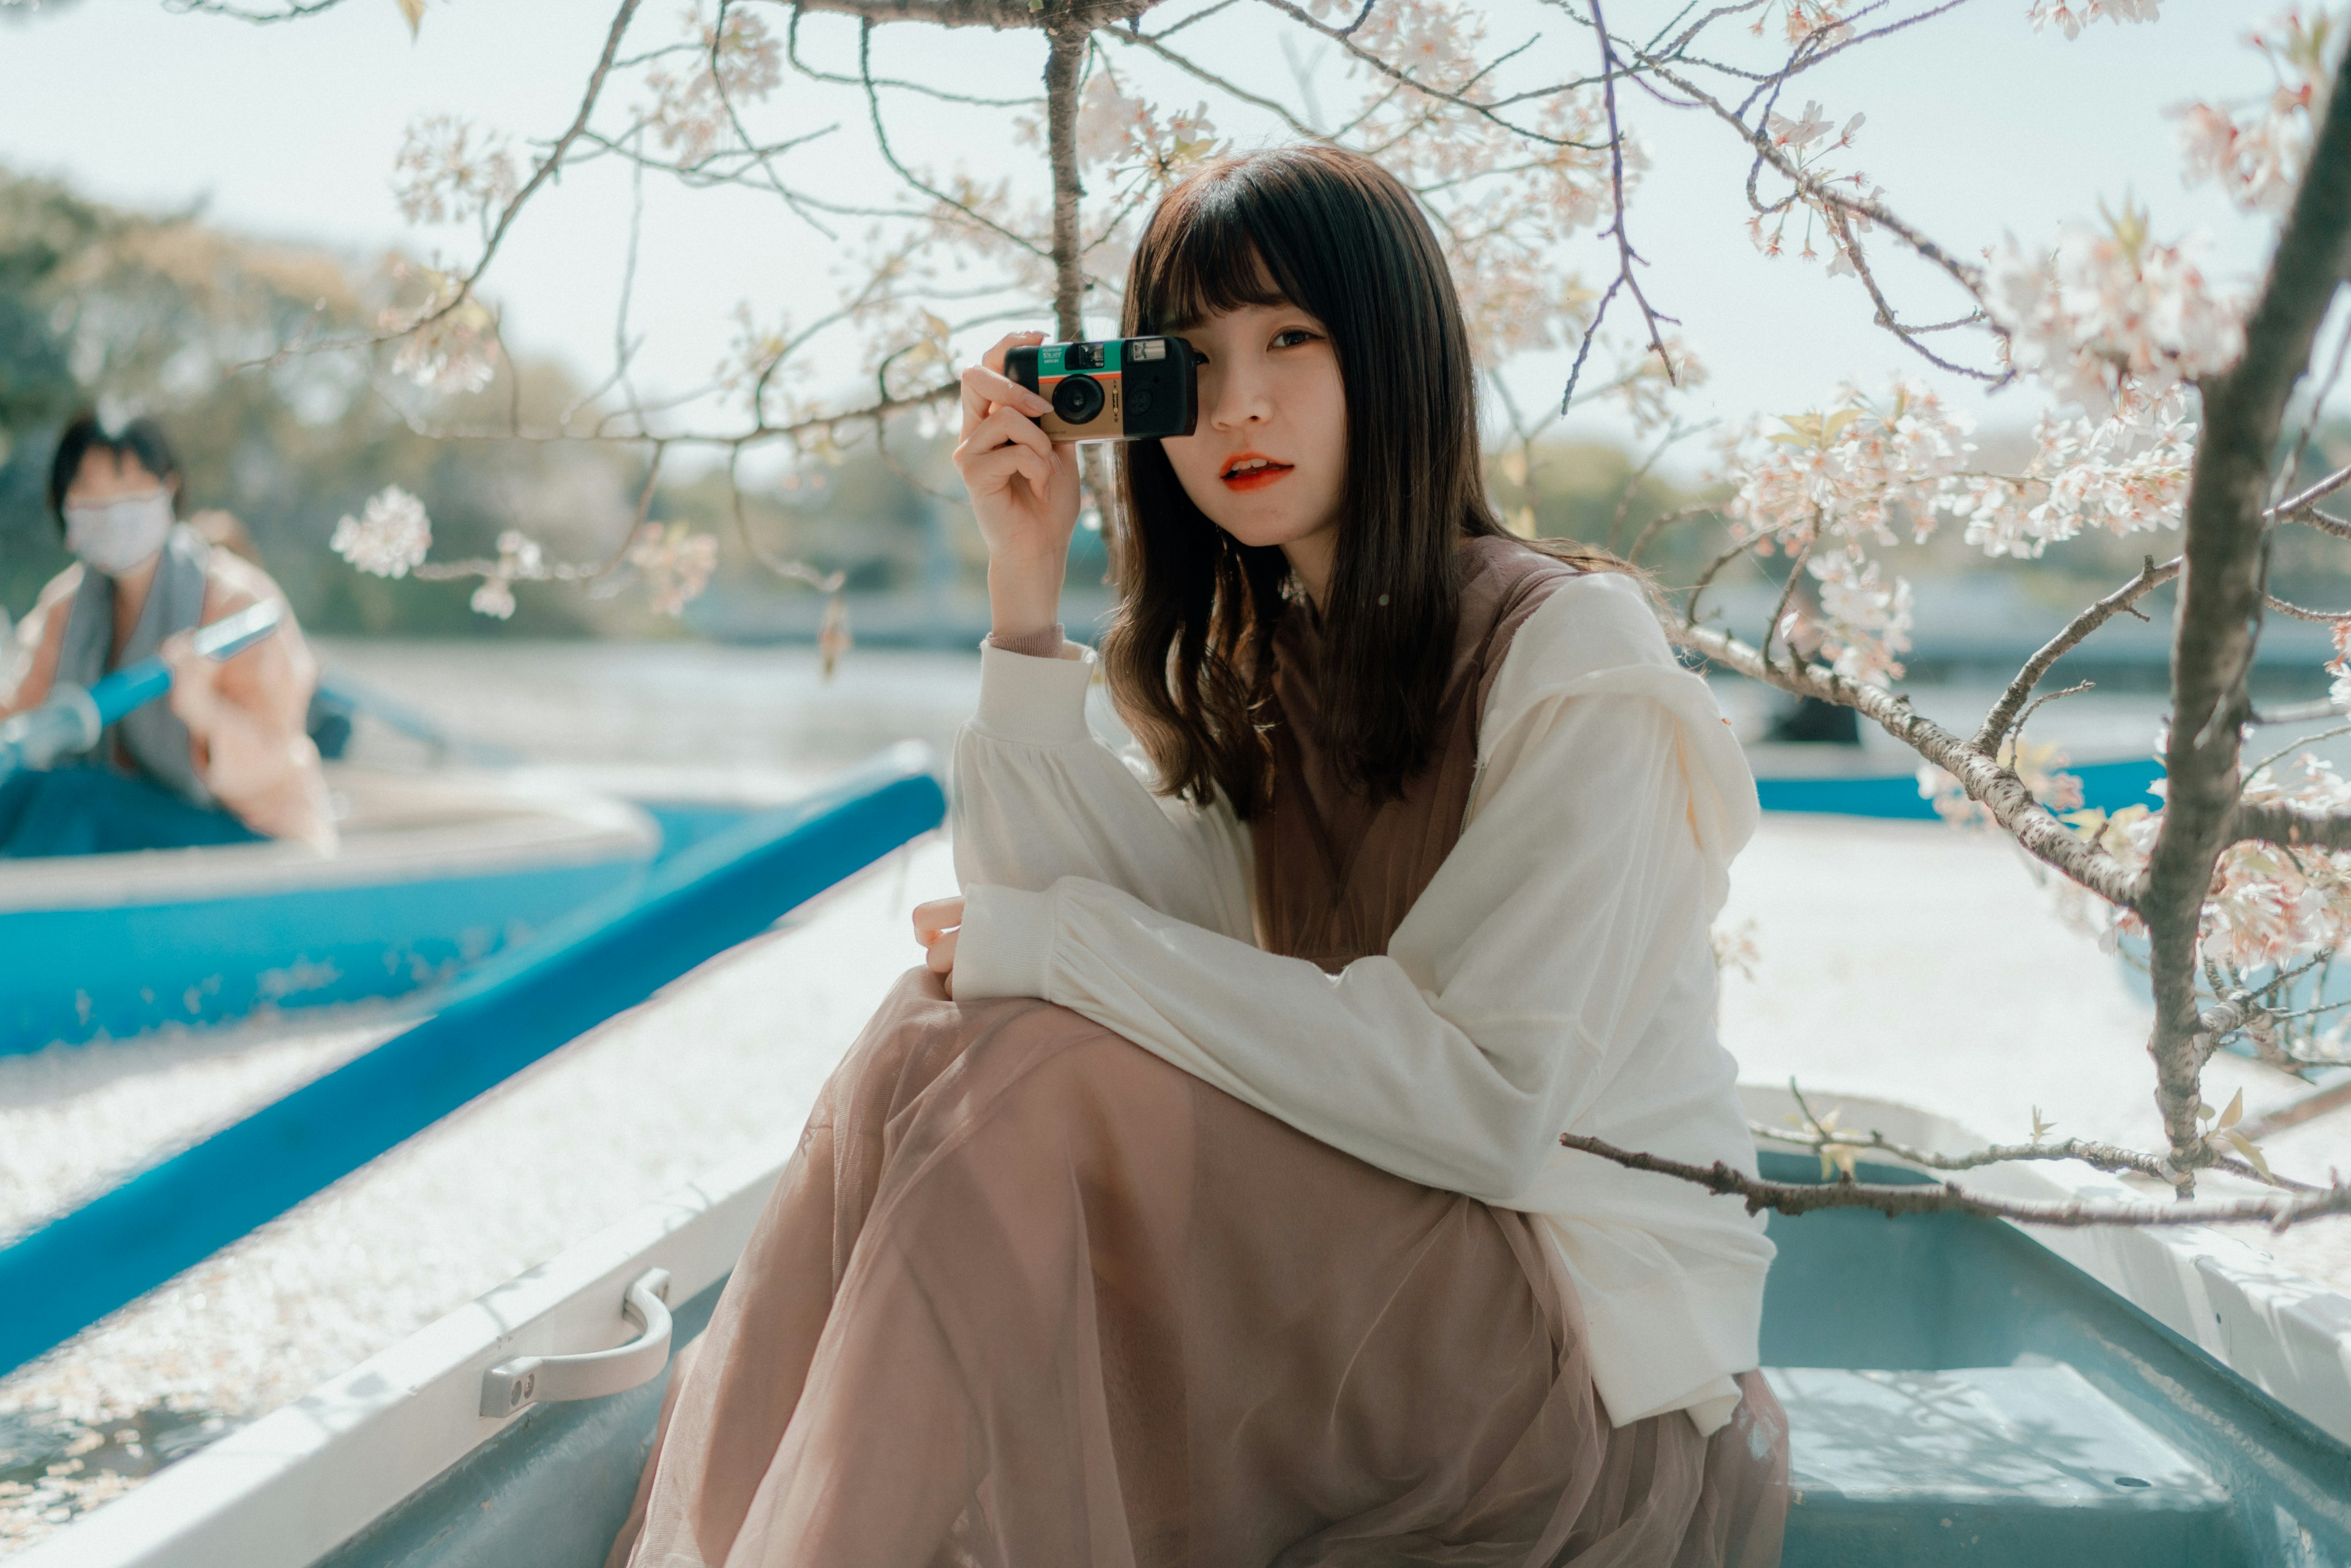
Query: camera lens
{"points": [[1077, 398]]}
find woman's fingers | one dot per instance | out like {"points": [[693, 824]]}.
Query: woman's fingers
{"points": [[985, 385], [994, 471], [994, 358], [937, 916], [1006, 444], [1002, 426], [941, 956]]}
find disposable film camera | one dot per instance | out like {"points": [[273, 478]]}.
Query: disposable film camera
{"points": [[1125, 389]]}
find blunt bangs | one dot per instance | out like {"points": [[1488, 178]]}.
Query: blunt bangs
{"points": [[1205, 257]]}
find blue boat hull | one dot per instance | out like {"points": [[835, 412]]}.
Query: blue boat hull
{"points": [[436, 874], [76, 974]]}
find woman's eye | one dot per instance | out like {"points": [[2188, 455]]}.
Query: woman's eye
{"points": [[1290, 337]]}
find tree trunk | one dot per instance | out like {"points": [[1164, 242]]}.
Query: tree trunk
{"points": [[1063, 66], [2214, 634]]}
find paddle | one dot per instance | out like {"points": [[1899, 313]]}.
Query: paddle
{"points": [[73, 718]]}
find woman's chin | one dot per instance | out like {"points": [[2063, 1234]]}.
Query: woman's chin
{"points": [[1262, 531]]}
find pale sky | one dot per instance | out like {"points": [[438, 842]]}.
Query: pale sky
{"points": [[1977, 127]]}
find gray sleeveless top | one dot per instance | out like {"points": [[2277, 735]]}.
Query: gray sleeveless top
{"points": [[152, 737]]}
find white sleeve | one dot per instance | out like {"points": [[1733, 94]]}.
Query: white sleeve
{"points": [[1037, 798], [1541, 948]]}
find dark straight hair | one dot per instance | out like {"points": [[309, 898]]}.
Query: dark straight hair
{"points": [[141, 438], [1188, 654]]}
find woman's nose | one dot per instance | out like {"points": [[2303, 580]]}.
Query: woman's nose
{"points": [[1230, 400]]}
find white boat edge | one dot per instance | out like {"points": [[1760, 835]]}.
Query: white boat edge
{"points": [[292, 1486]]}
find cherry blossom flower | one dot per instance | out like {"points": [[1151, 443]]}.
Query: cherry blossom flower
{"points": [[832, 639], [1646, 390], [389, 538], [1850, 473], [1805, 140], [2072, 17], [2109, 316], [2040, 765], [1864, 621], [1124, 131], [2256, 152], [447, 171], [495, 596], [676, 564], [734, 64], [452, 349], [2124, 474]]}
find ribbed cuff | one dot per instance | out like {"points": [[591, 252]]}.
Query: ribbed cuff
{"points": [[1045, 644], [1040, 701], [1005, 947]]}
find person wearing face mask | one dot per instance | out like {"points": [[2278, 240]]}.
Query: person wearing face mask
{"points": [[225, 759]]}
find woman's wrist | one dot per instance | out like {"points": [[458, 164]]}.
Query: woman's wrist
{"points": [[1024, 599]]}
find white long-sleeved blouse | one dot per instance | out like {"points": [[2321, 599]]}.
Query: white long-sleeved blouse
{"points": [[1556, 975]]}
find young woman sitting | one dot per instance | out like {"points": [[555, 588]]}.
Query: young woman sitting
{"points": [[1201, 1201]]}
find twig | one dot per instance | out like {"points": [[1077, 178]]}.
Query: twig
{"points": [[2294, 1113], [1997, 788], [1943, 1197], [1996, 723]]}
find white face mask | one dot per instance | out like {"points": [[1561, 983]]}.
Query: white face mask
{"points": [[119, 535]]}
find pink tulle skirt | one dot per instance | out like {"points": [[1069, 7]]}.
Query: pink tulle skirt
{"points": [[1029, 1296]]}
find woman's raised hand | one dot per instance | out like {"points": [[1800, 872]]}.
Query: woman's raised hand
{"points": [[1024, 491]]}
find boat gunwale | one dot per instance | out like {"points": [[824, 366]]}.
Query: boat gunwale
{"points": [[299, 1482], [544, 828], [302, 1482]]}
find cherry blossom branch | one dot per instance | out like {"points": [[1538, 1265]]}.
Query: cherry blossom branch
{"points": [[1966, 275], [998, 16], [560, 571], [2278, 1212], [293, 11], [1998, 789], [1996, 723], [1483, 109], [2303, 507], [2294, 1113], [2112, 1158], [2284, 822], [1658, 524], [1841, 235], [539, 177], [1626, 256], [2302, 612]]}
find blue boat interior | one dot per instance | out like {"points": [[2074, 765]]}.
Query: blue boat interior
{"points": [[2110, 785], [214, 960], [1956, 1395]]}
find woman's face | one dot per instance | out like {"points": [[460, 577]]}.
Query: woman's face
{"points": [[107, 477], [1266, 461]]}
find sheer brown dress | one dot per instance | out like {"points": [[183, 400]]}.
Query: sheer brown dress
{"points": [[1029, 1296]]}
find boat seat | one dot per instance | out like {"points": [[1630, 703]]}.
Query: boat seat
{"points": [[2015, 1467]]}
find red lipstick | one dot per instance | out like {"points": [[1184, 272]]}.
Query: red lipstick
{"points": [[1250, 470]]}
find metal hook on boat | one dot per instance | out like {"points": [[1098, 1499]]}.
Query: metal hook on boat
{"points": [[511, 1386]]}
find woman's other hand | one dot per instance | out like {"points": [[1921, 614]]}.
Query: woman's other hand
{"points": [[1024, 493], [935, 924], [196, 686]]}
